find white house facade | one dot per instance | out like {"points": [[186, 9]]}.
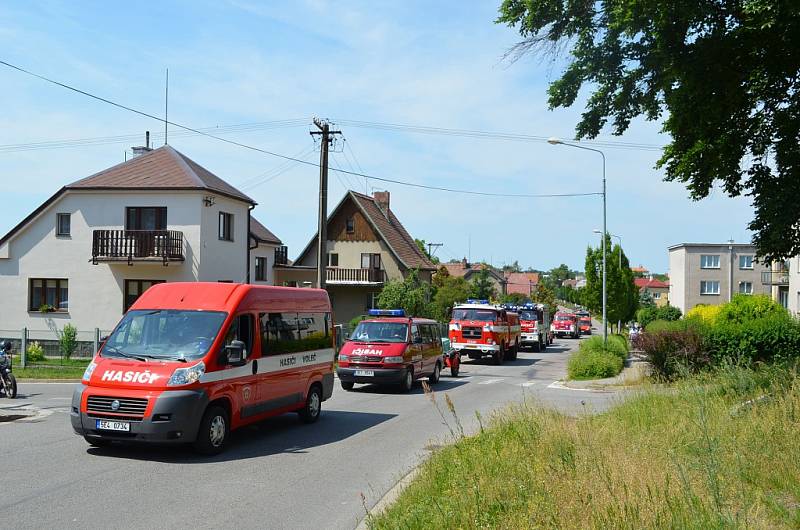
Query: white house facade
{"points": [[90, 250]]}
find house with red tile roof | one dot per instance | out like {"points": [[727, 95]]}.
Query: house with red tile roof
{"points": [[88, 252], [367, 246], [658, 290], [466, 270], [524, 283]]}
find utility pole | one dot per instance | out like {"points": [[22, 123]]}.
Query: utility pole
{"points": [[322, 223], [430, 247]]}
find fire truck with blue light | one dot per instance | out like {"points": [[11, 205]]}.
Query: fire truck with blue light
{"points": [[478, 328], [535, 323]]}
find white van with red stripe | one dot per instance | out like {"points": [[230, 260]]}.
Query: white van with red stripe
{"points": [[189, 362]]}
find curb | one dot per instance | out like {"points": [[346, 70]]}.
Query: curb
{"points": [[389, 497], [48, 381]]}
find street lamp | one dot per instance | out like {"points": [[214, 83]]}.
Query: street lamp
{"points": [[558, 141]]}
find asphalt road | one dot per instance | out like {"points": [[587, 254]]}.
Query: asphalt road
{"points": [[278, 474]]}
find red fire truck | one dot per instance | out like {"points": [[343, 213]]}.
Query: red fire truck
{"points": [[535, 323], [479, 328], [566, 325]]}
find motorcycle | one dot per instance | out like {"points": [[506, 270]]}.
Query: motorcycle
{"points": [[8, 383]]}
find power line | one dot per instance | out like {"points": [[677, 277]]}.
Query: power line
{"points": [[278, 155]]}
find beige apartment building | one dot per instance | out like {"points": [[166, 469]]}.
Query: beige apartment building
{"points": [[711, 273]]}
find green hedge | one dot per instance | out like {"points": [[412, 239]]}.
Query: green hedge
{"points": [[767, 339], [593, 360]]}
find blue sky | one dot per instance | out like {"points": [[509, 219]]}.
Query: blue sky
{"points": [[421, 63]]}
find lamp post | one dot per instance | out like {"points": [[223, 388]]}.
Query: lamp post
{"points": [[558, 141]]}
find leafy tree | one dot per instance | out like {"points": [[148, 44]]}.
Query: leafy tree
{"points": [[646, 299], [719, 73], [514, 298], [423, 246], [514, 267], [451, 291], [561, 273], [622, 294], [482, 286], [544, 295], [409, 294], [440, 277]]}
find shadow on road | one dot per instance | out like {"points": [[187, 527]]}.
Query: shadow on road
{"points": [[445, 383], [281, 434]]}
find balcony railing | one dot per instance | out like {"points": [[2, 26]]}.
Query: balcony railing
{"points": [[335, 275], [137, 245], [281, 255], [775, 277]]}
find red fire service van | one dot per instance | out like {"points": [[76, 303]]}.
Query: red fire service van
{"points": [[189, 362], [535, 322], [478, 328], [391, 348], [565, 325]]}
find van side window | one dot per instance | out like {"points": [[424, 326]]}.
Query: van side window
{"points": [[241, 328], [415, 333], [294, 332], [434, 331]]}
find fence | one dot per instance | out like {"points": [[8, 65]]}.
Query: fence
{"points": [[49, 340]]}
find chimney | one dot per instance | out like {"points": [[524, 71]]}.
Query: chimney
{"points": [[142, 149], [465, 263], [382, 199]]}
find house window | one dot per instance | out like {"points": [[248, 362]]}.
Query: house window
{"points": [[134, 289], [62, 224], [656, 296], [146, 218], [48, 295], [226, 226], [350, 225], [371, 261], [745, 262], [709, 261], [261, 269], [333, 259], [709, 287], [746, 287]]}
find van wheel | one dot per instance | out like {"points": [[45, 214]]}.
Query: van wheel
{"points": [[514, 352], [313, 407], [407, 382], [497, 357], [434, 377], [213, 431], [347, 385]]}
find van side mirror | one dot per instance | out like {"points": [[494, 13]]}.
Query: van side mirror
{"points": [[235, 353]]}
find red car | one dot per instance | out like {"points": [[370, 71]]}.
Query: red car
{"points": [[391, 349]]}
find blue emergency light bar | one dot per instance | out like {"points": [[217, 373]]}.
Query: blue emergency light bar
{"points": [[474, 301], [387, 313]]}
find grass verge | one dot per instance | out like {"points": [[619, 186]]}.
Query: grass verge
{"points": [[51, 368], [715, 451]]}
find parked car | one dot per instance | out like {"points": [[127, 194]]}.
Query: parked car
{"points": [[391, 348], [192, 361], [565, 325]]}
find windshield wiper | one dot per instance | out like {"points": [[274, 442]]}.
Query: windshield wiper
{"points": [[115, 351]]}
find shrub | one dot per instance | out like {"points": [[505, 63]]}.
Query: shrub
{"points": [[744, 308], [587, 363], [766, 339], [674, 325], [34, 353], [672, 352], [617, 345], [68, 340], [355, 320], [649, 314], [705, 313]]}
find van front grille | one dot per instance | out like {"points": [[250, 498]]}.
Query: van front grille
{"points": [[129, 406]]}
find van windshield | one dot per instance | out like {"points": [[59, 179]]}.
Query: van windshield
{"points": [[380, 332], [164, 334], [528, 315], [484, 315]]}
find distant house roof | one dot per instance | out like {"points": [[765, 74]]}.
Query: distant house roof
{"points": [[388, 227], [570, 282], [640, 268], [262, 234], [647, 283], [522, 282], [465, 270], [160, 169]]}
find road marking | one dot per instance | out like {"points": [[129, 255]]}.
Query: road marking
{"points": [[559, 385], [490, 381], [528, 383]]}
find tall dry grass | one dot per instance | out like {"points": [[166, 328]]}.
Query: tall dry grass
{"points": [[714, 451]]}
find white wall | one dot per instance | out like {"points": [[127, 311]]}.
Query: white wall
{"points": [[96, 292], [677, 278], [794, 286], [264, 250]]}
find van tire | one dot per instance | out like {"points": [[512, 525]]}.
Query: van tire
{"points": [[407, 383], [497, 357], [435, 375], [347, 385], [514, 352], [312, 410], [210, 441]]}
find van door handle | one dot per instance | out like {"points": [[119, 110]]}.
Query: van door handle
{"points": [[255, 366]]}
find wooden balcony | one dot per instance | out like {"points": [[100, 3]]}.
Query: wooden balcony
{"points": [[775, 278], [338, 276], [129, 246]]}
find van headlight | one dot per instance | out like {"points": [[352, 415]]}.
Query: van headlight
{"points": [[344, 357], [187, 376], [89, 371], [393, 359]]}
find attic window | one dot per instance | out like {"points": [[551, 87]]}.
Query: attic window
{"points": [[62, 225], [350, 225]]}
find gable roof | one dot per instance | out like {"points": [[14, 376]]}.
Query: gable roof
{"points": [[262, 234], [160, 169], [459, 271], [388, 227], [522, 282], [643, 283]]}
